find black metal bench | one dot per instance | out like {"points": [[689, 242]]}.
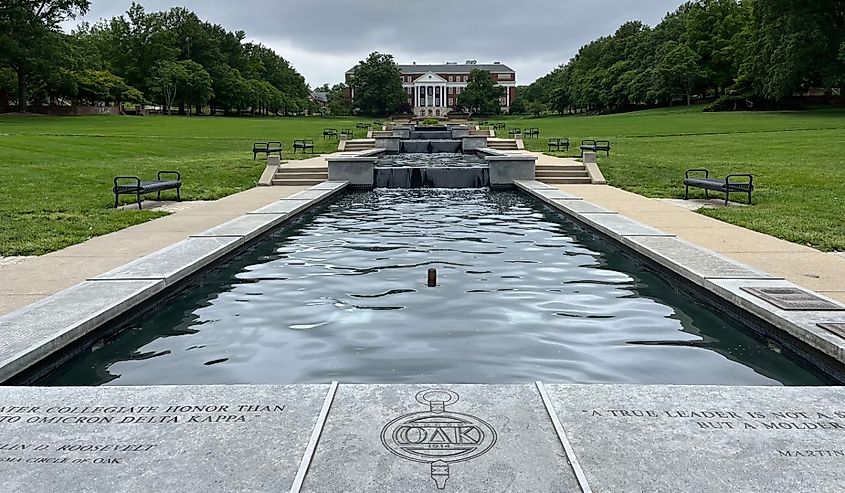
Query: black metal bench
{"points": [[139, 187], [499, 126], [558, 144], [348, 133], [595, 146], [362, 126], [725, 186], [266, 148], [330, 133], [513, 132], [303, 144], [531, 133]]}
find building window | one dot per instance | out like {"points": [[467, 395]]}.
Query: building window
{"points": [[451, 102]]}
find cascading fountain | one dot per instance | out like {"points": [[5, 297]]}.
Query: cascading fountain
{"points": [[431, 157]]}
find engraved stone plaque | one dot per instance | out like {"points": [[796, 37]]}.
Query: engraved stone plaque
{"points": [[694, 439], [838, 329], [169, 438], [793, 299], [442, 438]]}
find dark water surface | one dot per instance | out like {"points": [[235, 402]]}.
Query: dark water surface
{"points": [[523, 295]]}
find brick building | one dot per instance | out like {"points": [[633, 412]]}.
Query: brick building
{"points": [[433, 90]]}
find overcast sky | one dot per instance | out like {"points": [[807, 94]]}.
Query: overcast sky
{"points": [[324, 38]]}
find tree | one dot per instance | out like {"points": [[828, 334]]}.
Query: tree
{"points": [[196, 90], [377, 85], [28, 36], [482, 95], [166, 81], [537, 108], [679, 70], [517, 106], [339, 101]]}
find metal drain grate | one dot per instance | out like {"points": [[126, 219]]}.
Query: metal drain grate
{"points": [[793, 299]]}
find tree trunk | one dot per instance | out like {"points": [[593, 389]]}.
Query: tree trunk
{"points": [[182, 108], [22, 91]]}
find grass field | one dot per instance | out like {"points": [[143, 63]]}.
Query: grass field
{"points": [[57, 172], [797, 159]]}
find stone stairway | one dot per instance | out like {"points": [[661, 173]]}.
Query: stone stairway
{"points": [[292, 175], [570, 174], [357, 145], [502, 144]]}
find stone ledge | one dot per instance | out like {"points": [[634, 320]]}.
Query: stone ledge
{"points": [[31, 334], [246, 227], [176, 262]]}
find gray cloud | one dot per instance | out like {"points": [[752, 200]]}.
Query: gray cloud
{"points": [[323, 38]]}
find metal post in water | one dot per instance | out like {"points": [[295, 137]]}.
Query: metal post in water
{"points": [[432, 278]]}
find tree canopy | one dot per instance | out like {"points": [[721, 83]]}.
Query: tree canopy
{"points": [[377, 85], [172, 58], [751, 50], [481, 94]]}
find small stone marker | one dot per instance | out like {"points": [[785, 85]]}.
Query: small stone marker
{"points": [[589, 158], [274, 160], [793, 299], [838, 329]]}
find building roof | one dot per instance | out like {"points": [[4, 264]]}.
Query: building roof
{"points": [[320, 97], [450, 68]]}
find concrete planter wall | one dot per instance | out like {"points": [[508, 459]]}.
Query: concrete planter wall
{"points": [[358, 171], [504, 170], [388, 143], [473, 142]]}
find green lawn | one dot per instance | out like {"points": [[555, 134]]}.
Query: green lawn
{"points": [[57, 172], [797, 159]]}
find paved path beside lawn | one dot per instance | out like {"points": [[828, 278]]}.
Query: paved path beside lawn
{"points": [[805, 266], [29, 279]]}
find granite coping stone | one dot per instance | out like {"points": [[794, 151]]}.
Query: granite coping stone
{"points": [[248, 226], [580, 207], [691, 261], [312, 194], [550, 196], [175, 262], [533, 185], [289, 207], [803, 325], [390, 437], [168, 438], [34, 332], [618, 226], [675, 439], [330, 185]]}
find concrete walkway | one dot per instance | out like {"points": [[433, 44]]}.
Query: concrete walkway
{"points": [[805, 266], [32, 278]]}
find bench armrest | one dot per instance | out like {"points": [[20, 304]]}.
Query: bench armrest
{"points": [[697, 170], [739, 175], [165, 172], [137, 180]]}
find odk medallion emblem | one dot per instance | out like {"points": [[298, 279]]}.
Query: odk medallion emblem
{"points": [[437, 436]]}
